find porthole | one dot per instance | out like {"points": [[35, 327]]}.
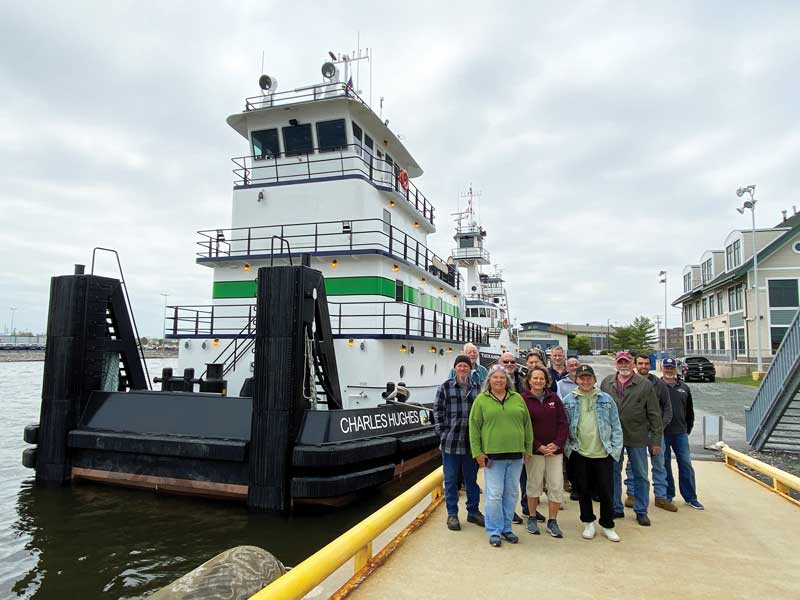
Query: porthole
{"points": [[796, 247], [435, 368], [411, 349], [421, 370], [402, 371]]}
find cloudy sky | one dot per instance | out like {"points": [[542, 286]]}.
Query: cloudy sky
{"points": [[607, 138]]}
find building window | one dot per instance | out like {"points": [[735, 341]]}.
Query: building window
{"points": [[711, 307], [735, 298], [705, 341], [783, 293], [331, 135], [713, 341], [705, 308], [776, 337], [706, 271], [721, 335], [697, 310], [687, 282], [265, 144], [733, 255], [720, 306], [737, 342], [297, 139]]}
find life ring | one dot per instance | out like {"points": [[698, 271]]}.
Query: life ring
{"points": [[402, 177], [505, 322]]}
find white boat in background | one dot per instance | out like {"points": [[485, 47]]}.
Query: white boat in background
{"points": [[486, 301]]}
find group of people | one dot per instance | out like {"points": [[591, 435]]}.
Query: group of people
{"points": [[528, 428]]}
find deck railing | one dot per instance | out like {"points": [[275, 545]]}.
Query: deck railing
{"points": [[321, 163], [327, 236], [348, 319], [311, 93]]}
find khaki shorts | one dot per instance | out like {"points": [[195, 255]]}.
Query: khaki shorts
{"points": [[546, 469]]}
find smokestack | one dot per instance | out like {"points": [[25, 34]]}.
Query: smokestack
{"points": [[783, 212], [794, 208]]}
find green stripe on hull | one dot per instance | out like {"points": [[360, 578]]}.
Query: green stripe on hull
{"points": [[342, 286]]}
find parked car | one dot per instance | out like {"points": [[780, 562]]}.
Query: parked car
{"points": [[698, 368]]}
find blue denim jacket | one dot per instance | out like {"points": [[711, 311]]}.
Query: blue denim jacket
{"points": [[607, 422]]}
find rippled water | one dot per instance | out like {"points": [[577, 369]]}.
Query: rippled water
{"points": [[90, 541]]}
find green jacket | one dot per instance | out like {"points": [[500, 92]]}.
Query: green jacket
{"points": [[639, 411], [496, 428]]}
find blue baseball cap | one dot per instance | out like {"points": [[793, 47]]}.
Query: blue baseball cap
{"points": [[669, 362]]}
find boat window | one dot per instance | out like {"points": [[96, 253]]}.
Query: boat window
{"points": [[357, 138], [369, 144], [387, 221], [331, 135], [297, 139], [481, 312], [265, 144], [398, 291], [466, 242]]}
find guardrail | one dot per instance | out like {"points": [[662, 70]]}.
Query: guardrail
{"points": [[357, 543], [783, 483], [320, 163], [326, 236], [310, 93]]}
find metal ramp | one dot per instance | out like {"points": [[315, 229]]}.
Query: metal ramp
{"points": [[773, 420]]}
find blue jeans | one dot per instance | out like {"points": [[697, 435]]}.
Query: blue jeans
{"points": [[502, 487], [679, 442], [452, 463], [637, 457], [658, 471]]}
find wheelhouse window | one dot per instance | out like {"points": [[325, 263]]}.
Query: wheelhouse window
{"points": [[297, 139], [370, 145], [357, 136], [331, 135], [265, 144]]}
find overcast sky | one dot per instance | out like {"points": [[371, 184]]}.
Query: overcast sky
{"points": [[607, 138]]}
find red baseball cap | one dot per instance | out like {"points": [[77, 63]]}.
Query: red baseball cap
{"points": [[623, 356]]}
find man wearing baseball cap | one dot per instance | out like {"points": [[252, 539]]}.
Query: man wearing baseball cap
{"points": [[640, 416], [676, 435], [450, 417]]}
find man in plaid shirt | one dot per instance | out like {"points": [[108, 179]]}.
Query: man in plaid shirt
{"points": [[451, 415]]}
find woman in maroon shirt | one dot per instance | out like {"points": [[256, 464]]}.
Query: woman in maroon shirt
{"points": [[549, 436]]}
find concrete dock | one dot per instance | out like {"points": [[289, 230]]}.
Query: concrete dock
{"points": [[746, 544]]}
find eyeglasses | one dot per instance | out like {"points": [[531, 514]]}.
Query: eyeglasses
{"points": [[509, 362]]}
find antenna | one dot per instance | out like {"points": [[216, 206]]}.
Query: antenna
{"points": [[262, 61]]}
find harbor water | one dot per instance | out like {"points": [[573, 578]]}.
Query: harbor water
{"points": [[90, 541]]}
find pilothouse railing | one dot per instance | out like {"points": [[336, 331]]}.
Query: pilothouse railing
{"points": [[348, 319], [326, 236], [328, 162]]}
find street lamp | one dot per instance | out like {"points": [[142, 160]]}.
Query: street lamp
{"points": [[663, 279], [608, 334], [13, 336], [751, 205]]}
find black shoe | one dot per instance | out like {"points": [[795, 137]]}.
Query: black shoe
{"points": [[516, 519], [619, 515], [573, 495], [596, 498], [453, 524], [510, 537], [540, 517], [643, 519], [526, 512], [477, 519]]}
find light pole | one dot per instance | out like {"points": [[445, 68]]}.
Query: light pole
{"points": [[751, 204], [164, 322], [663, 279], [608, 334], [13, 336]]}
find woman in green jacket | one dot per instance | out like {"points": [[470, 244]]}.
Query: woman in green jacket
{"points": [[501, 439]]}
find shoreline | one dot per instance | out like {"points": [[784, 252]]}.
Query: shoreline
{"points": [[10, 356]]}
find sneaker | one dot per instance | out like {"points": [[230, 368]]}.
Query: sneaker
{"points": [[588, 531], [453, 524], [516, 519], [540, 517], [510, 537], [495, 541], [666, 505], [620, 514], [533, 525], [526, 512], [573, 495], [611, 534], [477, 519], [696, 504], [553, 528], [642, 519], [630, 501]]}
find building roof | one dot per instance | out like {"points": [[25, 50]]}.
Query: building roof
{"points": [[542, 326], [742, 269]]}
